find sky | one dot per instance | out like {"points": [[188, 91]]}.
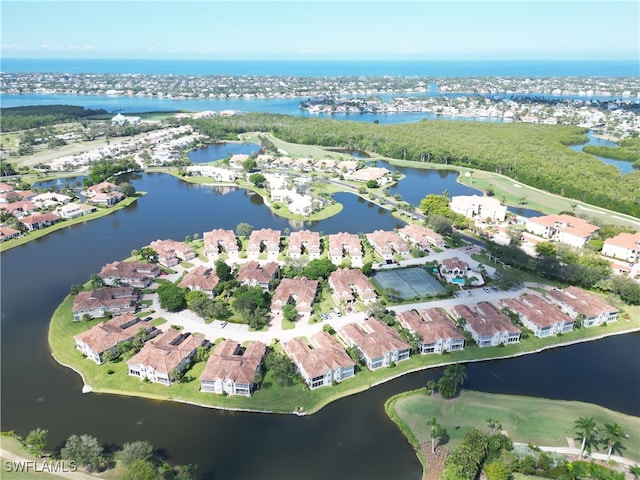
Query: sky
{"points": [[321, 30]]}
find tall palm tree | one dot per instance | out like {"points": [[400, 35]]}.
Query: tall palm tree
{"points": [[436, 433], [457, 372], [585, 427], [612, 434]]}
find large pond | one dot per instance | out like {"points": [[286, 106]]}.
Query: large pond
{"points": [[351, 438]]}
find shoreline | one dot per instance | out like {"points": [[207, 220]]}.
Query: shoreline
{"points": [[336, 395]]}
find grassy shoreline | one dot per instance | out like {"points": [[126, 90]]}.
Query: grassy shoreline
{"points": [[271, 397], [547, 423], [101, 212]]}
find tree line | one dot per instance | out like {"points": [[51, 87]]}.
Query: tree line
{"points": [[536, 155], [23, 118]]}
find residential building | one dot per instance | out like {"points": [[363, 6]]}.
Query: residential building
{"points": [[107, 336], [231, 368], [420, 236], [50, 199], [219, 241], [325, 363], [133, 274], [379, 344], [540, 316], [624, 246], [105, 194], [20, 209], [299, 290], [97, 303], [386, 243], [379, 174], [265, 240], [254, 274], [345, 245], [474, 206], [37, 221], [345, 283], [7, 233], [74, 210], [562, 228], [171, 252], [217, 173], [164, 357], [454, 267], [437, 332], [200, 279], [488, 326], [583, 306], [304, 242]]}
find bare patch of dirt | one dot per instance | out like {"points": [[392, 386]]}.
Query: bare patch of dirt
{"points": [[435, 461]]}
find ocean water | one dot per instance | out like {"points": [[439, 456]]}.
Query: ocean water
{"points": [[439, 68]]}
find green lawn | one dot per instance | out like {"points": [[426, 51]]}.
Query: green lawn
{"points": [[525, 419], [15, 447]]}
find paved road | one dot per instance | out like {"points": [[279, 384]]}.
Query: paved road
{"points": [[214, 330]]}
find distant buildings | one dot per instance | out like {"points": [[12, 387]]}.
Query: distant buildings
{"points": [[624, 246], [474, 206], [562, 228]]}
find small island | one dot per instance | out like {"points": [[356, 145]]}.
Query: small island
{"points": [[259, 321]]}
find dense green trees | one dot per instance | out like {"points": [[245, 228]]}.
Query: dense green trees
{"points": [[171, 297], [22, 118], [84, 450], [36, 441], [536, 155], [280, 366]]}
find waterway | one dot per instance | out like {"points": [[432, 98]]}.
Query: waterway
{"points": [[350, 439], [624, 167]]}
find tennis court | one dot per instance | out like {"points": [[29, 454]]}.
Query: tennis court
{"points": [[409, 282]]}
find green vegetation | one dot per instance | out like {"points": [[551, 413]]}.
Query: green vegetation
{"points": [[536, 155], [22, 118], [628, 151], [527, 420], [273, 396]]}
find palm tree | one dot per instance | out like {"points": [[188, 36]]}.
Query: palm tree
{"points": [[635, 471], [613, 433], [431, 386], [457, 372], [585, 427], [494, 425], [436, 433]]}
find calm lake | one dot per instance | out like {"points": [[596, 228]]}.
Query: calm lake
{"points": [[352, 436]]}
